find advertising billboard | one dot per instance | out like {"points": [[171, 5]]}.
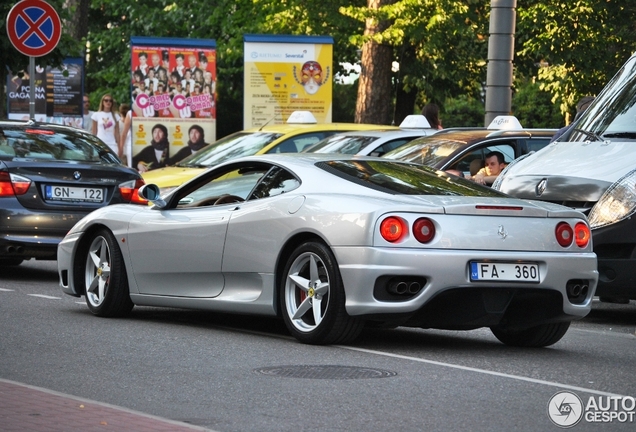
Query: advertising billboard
{"points": [[283, 74], [173, 99]]}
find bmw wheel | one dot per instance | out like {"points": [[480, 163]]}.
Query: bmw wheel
{"points": [[539, 336], [313, 298], [105, 278]]}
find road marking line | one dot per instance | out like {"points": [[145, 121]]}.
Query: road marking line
{"points": [[605, 333], [482, 371], [6, 289], [45, 296]]}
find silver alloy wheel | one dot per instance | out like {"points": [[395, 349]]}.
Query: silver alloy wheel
{"points": [[97, 273], [307, 292]]}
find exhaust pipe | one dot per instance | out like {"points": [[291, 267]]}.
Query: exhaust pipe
{"points": [[398, 288], [575, 290], [414, 287], [10, 249]]}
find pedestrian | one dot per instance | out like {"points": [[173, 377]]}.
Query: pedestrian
{"points": [[87, 122], [125, 141], [431, 112], [105, 123]]}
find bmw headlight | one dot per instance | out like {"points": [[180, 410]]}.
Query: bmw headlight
{"points": [[617, 203]]}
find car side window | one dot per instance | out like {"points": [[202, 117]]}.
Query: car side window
{"points": [[479, 155], [275, 182], [536, 144], [235, 182], [388, 146]]}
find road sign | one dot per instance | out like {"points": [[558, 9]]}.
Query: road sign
{"points": [[34, 27]]}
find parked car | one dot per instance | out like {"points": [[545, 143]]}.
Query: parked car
{"points": [[374, 142], [465, 149], [592, 168], [329, 242], [300, 131], [51, 176]]}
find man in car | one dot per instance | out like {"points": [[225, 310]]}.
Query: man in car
{"points": [[495, 163]]}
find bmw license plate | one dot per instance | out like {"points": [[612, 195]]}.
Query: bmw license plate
{"points": [[67, 193], [498, 271]]}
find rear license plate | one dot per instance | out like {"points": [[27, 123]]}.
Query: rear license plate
{"points": [[497, 271], [66, 193]]}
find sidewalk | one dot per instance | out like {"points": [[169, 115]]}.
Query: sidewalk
{"points": [[34, 409]]}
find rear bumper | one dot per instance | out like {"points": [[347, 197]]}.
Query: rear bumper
{"points": [[29, 234], [445, 283]]}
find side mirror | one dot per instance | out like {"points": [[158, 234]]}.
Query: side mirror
{"points": [[151, 193]]}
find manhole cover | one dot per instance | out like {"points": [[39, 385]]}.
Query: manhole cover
{"points": [[325, 372]]}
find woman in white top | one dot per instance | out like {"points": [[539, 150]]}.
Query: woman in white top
{"points": [[125, 141], [106, 125]]}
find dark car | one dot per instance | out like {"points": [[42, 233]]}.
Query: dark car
{"points": [[465, 149], [51, 176]]}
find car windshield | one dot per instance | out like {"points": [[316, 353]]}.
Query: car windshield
{"points": [[231, 147], [612, 113], [404, 179], [346, 144], [59, 145], [426, 150]]}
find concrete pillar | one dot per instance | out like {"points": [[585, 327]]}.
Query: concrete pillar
{"points": [[501, 44]]}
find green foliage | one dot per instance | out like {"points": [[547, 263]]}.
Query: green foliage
{"points": [[533, 106], [581, 43], [463, 111], [344, 102], [566, 49]]}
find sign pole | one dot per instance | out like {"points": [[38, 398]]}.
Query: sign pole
{"points": [[32, 88]]}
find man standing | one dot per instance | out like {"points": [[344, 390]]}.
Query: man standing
{"points": [[87, 123]]}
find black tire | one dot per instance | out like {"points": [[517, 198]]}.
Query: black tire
{"points": [[540, 336], [105, 277], [10, 261], [311, 290]]}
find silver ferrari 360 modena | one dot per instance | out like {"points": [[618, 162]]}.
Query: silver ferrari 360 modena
{"points": [[331, 242]]}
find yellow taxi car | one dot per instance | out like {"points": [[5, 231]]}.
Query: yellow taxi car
{"points": [[300, 131]]}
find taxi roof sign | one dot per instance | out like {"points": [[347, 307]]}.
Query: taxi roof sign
{"points": [[298, 117], [505, 122], [415, 121]]}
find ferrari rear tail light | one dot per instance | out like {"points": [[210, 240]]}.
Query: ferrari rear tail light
{"points": [[13, 184], [581, 234], [393, 229], [130, 191], [564, 234], [424, 230]]}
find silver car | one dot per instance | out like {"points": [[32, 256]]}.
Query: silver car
{"points": [[331, 242]]}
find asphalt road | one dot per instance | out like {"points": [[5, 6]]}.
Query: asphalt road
{"points": [[236, 373]]}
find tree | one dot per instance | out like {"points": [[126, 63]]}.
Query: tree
{"points": [[373, 104], [580, 44]]}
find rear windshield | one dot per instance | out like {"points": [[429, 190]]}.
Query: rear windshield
{"points": [[42, 143], [404, 179]]}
